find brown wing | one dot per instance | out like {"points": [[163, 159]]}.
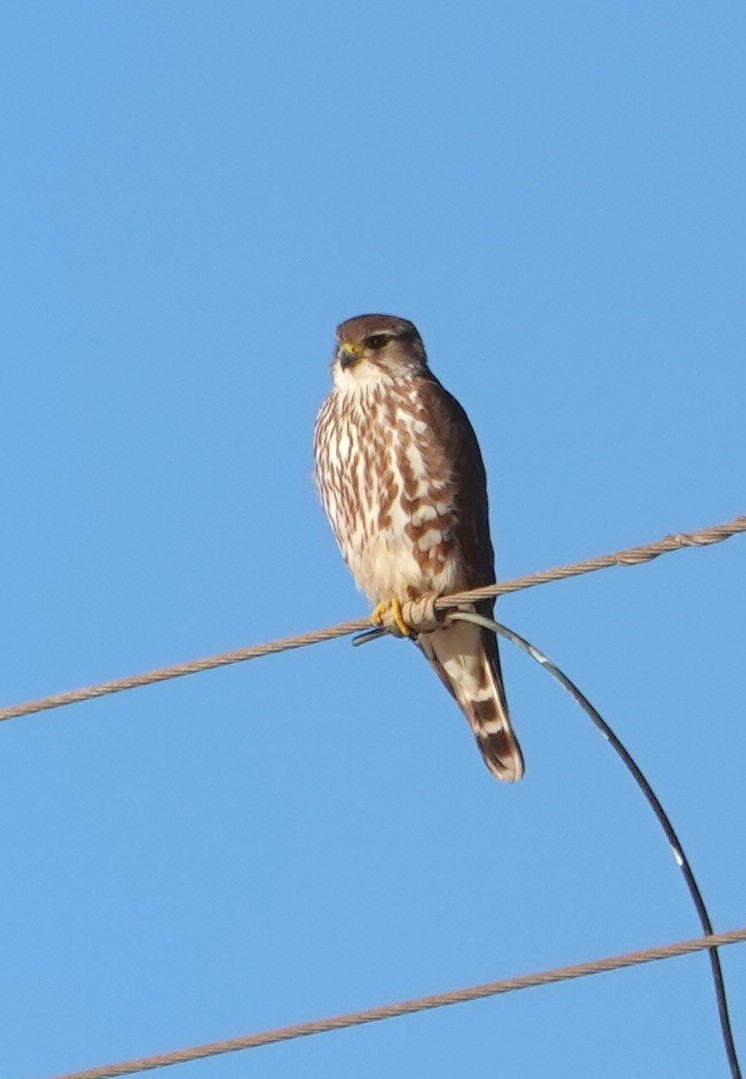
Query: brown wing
{"points": [[476, 679], [471, 534]]}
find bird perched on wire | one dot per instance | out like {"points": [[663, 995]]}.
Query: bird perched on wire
{"points": [[402, 482]]}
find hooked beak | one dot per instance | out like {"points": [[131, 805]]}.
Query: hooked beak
{"points": [[348, 354]]}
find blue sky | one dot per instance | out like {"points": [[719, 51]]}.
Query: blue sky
{"points": [[193, 195]]}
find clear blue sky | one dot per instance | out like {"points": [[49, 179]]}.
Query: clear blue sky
{"points": [[193, 195]]}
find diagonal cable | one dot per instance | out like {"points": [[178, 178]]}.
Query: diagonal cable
{"points": [[631, 556], [409, 1007]]}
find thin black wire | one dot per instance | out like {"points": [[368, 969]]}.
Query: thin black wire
{"points": [[663, 819], [628, 760]]}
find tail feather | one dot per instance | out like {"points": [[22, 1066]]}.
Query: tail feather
{"points": [[467, 660], [496, 740]]}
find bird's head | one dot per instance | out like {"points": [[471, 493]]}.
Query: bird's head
{"points": [[373, 347]]}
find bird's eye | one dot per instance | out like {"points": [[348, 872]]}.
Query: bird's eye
{"points": [[377, 341]]}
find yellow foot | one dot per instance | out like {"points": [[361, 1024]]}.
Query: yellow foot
{"points": [[379, 612], [396, 614], [390, 614]]}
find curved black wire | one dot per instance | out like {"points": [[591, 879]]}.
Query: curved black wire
{"points": [[663, 819], [628, 760]]}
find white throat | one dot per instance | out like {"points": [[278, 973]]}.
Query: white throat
{"points": [[362, 375]]}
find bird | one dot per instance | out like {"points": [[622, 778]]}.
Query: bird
{"points": [[401, 479]]}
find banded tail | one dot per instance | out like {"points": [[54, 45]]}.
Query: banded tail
{"points": [[466, 658]]}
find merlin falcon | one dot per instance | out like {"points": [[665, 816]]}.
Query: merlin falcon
{"points": [[402, 481]]}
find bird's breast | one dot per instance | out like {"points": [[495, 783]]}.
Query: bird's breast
{"points": [[387, 488]]}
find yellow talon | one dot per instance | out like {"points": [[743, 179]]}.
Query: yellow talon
{"points": [[396, 613], [378, 612], [390, 615]]}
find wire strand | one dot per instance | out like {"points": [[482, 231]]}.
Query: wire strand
{"points": [[632, 556], [653, 801], [409, 1007]]}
